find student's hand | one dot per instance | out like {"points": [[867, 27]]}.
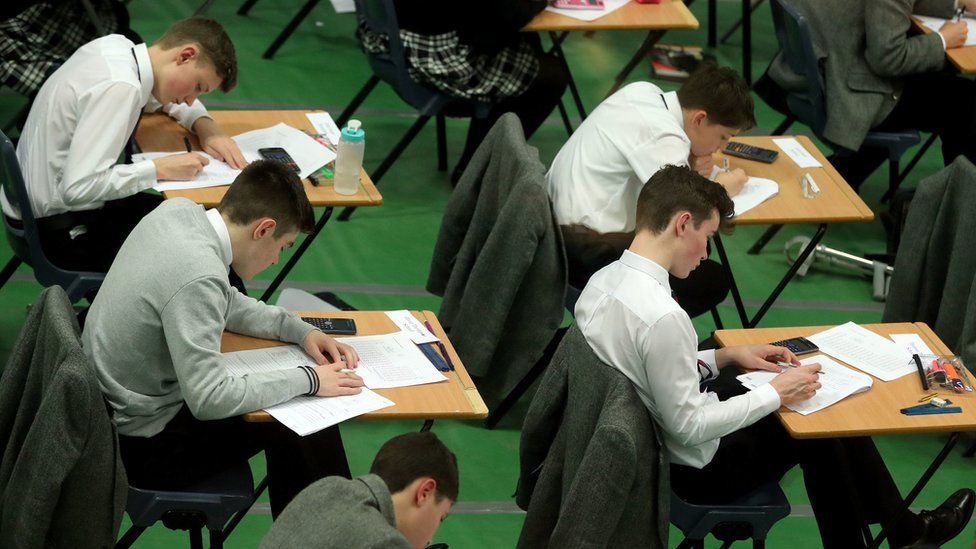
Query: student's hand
{"points": [[224, 148], [336, 380], [954, 33], [179, 166], [702, 164], [970, 7], [760, 357], [318, 345], [797, 384], [733, 181]]}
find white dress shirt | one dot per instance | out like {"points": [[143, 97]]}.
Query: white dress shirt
{"points": [[596, 177], [79, 124], [223, 235], [629, 318]]}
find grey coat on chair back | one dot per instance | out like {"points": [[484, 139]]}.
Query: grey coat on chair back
{"points": [[936, 263], [499, 262], [61, 479], [592, 470]]}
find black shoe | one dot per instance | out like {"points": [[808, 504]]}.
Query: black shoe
{"points": [[947, 520]]}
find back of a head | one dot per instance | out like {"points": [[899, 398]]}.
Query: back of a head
{"points": [[266, 188], [674, 189], [215, 46], [722, 93], [405, 458]]}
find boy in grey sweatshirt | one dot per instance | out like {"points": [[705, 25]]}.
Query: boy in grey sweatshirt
{"points": [[154, 331]]}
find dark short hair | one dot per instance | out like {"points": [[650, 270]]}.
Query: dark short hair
{"points": [[720, 92], [674, 189], [215, 46], [405, 458], [269, 189]]}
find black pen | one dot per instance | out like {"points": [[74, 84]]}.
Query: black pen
{"points": [[921, 372], [186, 141], [959, 13]]}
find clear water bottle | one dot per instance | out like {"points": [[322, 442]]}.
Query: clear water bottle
{"points": [[349, 163]]}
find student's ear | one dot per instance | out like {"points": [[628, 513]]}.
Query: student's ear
{"points": [[187, 53], [264, 227], [700, 118], [426, 491], [681, 221]]}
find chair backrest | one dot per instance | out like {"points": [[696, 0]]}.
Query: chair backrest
{"points": [[796, 43], [380, 17], [26, 241]]}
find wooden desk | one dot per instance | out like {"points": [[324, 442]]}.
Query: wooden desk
{"points": [[876, 411], [159, 132], [458, 398], [836, 203], [654, 18], [963, 58]]}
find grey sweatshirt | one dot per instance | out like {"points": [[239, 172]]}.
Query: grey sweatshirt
{"points": [[154, 330]]}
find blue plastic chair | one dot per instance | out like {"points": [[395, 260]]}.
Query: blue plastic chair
{"points": [[751, 516], [217, 504], [380, 17], [26, 242]]}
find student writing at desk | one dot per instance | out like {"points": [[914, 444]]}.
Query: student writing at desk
{"points": [[723, 450], [86, 203], [596, 176], [879, 76], [154, 335]]}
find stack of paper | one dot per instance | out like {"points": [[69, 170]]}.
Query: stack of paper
{"points": [[305, 151], [213, 174], [392, 360], [590, 15], [865, 350], [837, 383]]}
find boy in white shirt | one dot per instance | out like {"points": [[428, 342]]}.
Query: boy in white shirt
{"points": [[723, 450], [85, 202]]}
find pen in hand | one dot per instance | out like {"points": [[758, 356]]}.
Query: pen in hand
{"points": [[186, 142], [786, 365]]}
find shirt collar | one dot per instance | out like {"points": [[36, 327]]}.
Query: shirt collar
{"points": [[648, 267], [144, 66], [223, 235], [671, 102]]}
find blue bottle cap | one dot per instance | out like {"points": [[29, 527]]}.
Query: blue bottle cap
{"points": [[353, 132]]}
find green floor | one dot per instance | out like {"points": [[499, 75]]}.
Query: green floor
{"points": [[380, 259]]}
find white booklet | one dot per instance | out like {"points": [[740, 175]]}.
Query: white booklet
{"points": [[865, 350], [756, 191], [308, 153], [214, 174], [392, 360], [837, 383]]}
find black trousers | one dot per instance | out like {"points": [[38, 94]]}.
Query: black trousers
{"points": [[938, 102], [189, 450], [532, 107], [588, 251], [763, 452], [107, 228]]}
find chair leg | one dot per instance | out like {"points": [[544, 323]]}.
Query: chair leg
{"points": [[691, 544], [565, 116], [216, 539], [758, 544], [130, 537], [726, 544], [196, 538], [893, 180], [784, 125], [246, 7], [390, 159], [441, 144], [761, 242], [9, 269], [361, 96], [971, 451], [717, 319]]}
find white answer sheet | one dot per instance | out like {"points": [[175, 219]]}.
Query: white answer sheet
{"points": [[392, 360], [216, 173], [865, 350], [837, 383], [309, 154]]}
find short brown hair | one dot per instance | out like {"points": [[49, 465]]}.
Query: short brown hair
{"points": [[215, 46], [405, 458], [674, 189], [269, 189], [720, 92]]}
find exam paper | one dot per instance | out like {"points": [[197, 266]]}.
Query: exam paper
{"points": [[412, 327], [309, 154], [797, 152], [590, 15], [865, 350], [308, 414], [756, 191], [913, 343], [324, 125], [391, 360], [935, 23], [216, 173], [837, 383]]}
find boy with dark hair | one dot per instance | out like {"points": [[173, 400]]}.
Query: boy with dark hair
{"points": [[722, 450], [596, 176], [408, 492], [154, 336], [84, 201]]}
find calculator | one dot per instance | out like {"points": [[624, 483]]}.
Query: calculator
{"points": [[751, 152], [341, 326], [799, 345], [279, 155]]}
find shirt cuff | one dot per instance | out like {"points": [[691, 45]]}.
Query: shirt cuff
{"points": [[707, 358], [145, 172], [294, 329], [766, 397], [944, 48]]}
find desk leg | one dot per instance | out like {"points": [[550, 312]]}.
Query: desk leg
{"points": [[734, 288], [922, 481], [428, 423], [712, 23], [306, 242], [652, 38], [292, 25], [204, 8], [817, 237], [246, 7], [747, 40], [557, 49]]}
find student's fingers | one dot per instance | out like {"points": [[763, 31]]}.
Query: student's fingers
{"points": [[313, 351], [203, 159], [343, 391], [236, 158], [351, 380], [331, 347], [350, 354]]}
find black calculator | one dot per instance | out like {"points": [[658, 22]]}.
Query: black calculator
{"points": [[280, 155], [750, 152], [799, 345], [340, 326]]}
